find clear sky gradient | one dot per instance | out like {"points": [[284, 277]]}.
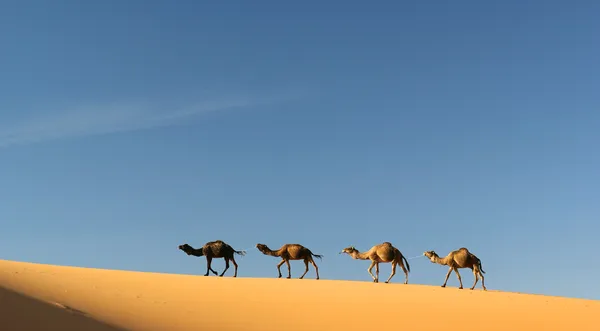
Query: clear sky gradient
{"points": [[130, 127]]}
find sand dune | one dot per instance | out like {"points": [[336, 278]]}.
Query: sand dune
{"points": [[46, 297]]}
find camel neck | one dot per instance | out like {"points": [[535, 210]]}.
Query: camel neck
{"points": [[360, 256], [440, 260], [273, 253], [197, 252]]}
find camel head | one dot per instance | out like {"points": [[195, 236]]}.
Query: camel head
{"points": [[186, 248], [431, 255], [349, 250], [263, 248]]}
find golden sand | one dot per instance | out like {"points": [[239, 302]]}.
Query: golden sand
{"points": [[47, 297]]}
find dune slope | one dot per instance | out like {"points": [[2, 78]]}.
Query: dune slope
{"points": [[131, 300]]}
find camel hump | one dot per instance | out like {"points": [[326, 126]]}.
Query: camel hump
{"points": [[215, 244], [387, 243]]}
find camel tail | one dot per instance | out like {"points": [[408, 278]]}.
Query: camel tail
{"points": [[242, 253], [480, 267], [316, 255], [406, 261]]}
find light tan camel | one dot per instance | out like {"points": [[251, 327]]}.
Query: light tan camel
{"points": [[289, 252], [382, 253], [214, 249], [460, 258]]}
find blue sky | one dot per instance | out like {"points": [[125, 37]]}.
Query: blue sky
{"points": [[128, 128]]}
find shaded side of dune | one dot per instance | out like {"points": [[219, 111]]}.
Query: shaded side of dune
{"points": [[20, 312]]}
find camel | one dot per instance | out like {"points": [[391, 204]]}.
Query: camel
{"points": [[289, 252], [214, 249], [382, 253], [460, 258]]}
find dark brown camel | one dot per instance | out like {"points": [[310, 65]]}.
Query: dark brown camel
{"points": [[289, 252], [214, 250]]}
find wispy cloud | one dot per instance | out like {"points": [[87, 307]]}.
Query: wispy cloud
{"points": [[111, 118]]}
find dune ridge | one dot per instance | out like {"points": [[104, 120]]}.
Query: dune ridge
{"points": [[104, 299]]}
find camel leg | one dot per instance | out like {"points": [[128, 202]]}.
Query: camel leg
{"points": [[447, 275], [459, 279], [211, 269], [305, 271], [482, 282], [226, 267], [208, 267], [315, 265], [370, 273], [405, 271], [476, 278], [393, 272], [279, 267], [235, 266], [377, 271], [289, 269]]}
